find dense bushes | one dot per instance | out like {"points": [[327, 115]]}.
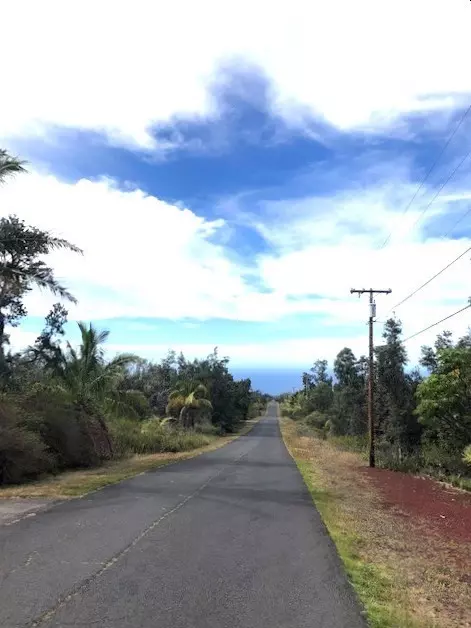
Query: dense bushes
{"points": [[316, 419], [46, 432], [58, 418], [22, 453], [68, 406], [153, 436], [74, 435], [72, 408], [422, 424]]}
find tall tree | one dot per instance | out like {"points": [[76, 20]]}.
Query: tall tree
{"points": [[349, 415], [429, 355], [319, 394], [22, 267], [397, 424], [444, 400]]}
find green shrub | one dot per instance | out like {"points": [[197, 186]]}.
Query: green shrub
{"points": [[74, 435], [256, 409], [351, 443], [126, 436], [153, 436], [441, 461], [22, 454], [467, 455], [184, 441], [208, 428], [316, 419]]}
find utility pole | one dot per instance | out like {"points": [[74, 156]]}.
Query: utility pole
{"points": [[371, 421]]}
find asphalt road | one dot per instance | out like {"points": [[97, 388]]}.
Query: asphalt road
{"points": [[229, 539]]}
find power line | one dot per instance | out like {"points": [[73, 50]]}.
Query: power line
{"points": [[447, 180], [437, 323], [432, 168], [431, 279], [457, 223]]}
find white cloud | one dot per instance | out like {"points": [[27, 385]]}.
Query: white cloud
{"points": [[285, 353], [112, 67], [330, 246], [142, 256], [147, 258]]}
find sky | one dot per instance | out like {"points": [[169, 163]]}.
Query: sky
{"points": [[232, 170]]}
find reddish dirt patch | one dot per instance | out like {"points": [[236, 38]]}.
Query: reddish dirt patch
{"points": [[439, 509]]}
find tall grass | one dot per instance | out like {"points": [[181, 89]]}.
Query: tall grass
{"points": [[153, 436], [429, 459]]}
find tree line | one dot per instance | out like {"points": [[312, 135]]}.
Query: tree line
{"points": [[65, 405], [422, 415]]}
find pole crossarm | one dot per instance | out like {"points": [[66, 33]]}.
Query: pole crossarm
{"points": [[371, 421]]}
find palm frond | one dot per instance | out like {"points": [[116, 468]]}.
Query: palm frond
{"points": [[9, 166], [60, 243], [43, 281], [205, 404], [122, 360]]}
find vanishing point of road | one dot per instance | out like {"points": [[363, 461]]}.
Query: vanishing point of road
{"points": [[228, 539]]}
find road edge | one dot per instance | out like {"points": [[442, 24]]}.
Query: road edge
{"points": [[50, 502]]}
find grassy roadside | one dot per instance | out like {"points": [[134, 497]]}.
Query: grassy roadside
{"points": [[401, 580], [77, 483]]}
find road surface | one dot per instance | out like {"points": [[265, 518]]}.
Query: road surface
{"points": [[229, 539]]}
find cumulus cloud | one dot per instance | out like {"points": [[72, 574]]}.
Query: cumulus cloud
{"points": [[118, 69], [144, 257], [330, 245], [288, 353]]}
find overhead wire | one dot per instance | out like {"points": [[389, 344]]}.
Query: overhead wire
{"points": [[447, 180], [442, 186], [431, 279], [438, 323], [432, 168], [460, 219]]}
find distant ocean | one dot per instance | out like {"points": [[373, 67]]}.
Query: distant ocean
{"points": [[271, 381]]}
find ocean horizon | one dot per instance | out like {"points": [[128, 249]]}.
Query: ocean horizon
{"points": [[270, 380]]}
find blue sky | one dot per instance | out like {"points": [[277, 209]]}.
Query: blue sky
{"points": [[229, 190]]}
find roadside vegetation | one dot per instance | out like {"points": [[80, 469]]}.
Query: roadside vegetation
{"points": [[405, 540], [409, 569], [67, 405], [422, 418]]}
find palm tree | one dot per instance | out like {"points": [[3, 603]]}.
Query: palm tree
{"points": [[9, 166], [90, 378], [93, 384], [189, 401]]}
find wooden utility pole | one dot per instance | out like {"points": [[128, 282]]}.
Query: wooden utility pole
{"points": [[371, 421]]}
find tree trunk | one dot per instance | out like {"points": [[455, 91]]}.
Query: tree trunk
{"points": [[183, 416], [3, 365]]}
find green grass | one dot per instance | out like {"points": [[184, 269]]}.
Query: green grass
{"points": [[376, 588], [418, 465], [376, 585]]}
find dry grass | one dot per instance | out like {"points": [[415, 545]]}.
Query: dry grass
{"points": [[403, 578], [78, 483]]}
